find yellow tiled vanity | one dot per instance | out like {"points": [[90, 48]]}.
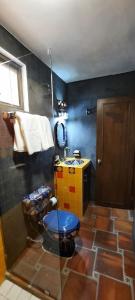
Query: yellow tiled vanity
{"points": [[72, 186], [2, 258]]}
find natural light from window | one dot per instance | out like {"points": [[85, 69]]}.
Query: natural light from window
{"points": [[13, 81]]}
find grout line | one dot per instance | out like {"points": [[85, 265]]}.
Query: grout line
{"points": [[132, 290], [98, 229], [94, 239], [84, 275], [114, 231], [123, 266], [106, 231], [113, 278], [95, 263], [109, 250], [117, 241], [97, 289]]}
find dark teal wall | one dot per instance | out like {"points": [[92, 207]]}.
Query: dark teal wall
{"points": [[84, 94], [15, 183], [38, 169]]}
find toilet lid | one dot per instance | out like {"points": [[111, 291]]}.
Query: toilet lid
{"points": [[60, 221]]}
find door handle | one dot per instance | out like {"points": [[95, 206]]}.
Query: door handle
{"points": [[99, 161]]}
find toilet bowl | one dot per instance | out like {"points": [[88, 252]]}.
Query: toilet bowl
{"points": [[58, 227], [61, 228]]}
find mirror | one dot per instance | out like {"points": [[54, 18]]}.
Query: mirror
{"points": [[61, 134]]}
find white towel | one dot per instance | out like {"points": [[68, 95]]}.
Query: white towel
{"points": [[32, 133]]}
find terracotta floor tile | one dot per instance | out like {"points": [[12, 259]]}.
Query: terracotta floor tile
{"points": [[24, 271], [103, 223], [48, 279], [85, 237], [125, 241], [123, 226], [110, 289], [129, 262], [109, 263], [82, 261], [100, 211], [120, 213], [85, 226], [106, 240], [88, 211], [90, 221], [52, 261], [78, 287], [31, 255]]}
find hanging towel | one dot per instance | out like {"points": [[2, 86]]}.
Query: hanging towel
{"points": [[32, 133], [46, 133]]}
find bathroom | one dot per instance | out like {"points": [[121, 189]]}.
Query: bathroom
{"points": [[103, 262]]}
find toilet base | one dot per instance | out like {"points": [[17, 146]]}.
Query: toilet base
{"points": [[59, 245]]}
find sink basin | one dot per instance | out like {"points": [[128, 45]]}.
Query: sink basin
{"points": [[74, 162]]}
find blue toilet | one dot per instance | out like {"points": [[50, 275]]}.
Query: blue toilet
{"points": [[58, 227], [60, 230]]}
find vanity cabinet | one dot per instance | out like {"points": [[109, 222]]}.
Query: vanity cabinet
{"points": [[2, 258], [72, 187]]}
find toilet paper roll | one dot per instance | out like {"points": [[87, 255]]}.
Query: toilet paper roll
{"points": [[53, 200]]}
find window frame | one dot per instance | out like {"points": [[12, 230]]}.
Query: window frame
{"points": [[22, 84]]}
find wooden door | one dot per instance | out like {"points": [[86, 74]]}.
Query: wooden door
{"points": [[115, 151]]}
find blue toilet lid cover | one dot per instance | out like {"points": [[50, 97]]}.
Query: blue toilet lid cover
{"points": [[60, 221]]}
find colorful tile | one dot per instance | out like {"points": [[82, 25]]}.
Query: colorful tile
{"points": [[106, 240], [59, 175], [82, 261], [66, 205], [78, 287], [110, 289], [72, 189], [109, 263]]}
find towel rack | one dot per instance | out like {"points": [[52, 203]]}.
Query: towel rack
{"points": [[9, 115]]}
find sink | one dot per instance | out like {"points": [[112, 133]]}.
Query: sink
{"points": [[74, 162]]}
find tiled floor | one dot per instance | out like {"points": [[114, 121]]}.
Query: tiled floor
{"points": [[102, 267], [10, 291]]}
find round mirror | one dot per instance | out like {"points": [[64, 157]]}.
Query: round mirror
{"points": [[61, 134]]}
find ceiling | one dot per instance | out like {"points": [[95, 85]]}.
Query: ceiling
{"points": [[88, 39]]}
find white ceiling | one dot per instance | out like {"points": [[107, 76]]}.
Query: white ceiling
{"points": [[88, 38]]}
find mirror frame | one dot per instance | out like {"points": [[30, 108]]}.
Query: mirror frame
{"points": [[64, 134]]}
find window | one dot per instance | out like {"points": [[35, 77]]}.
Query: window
{"points": [[13, 82]]}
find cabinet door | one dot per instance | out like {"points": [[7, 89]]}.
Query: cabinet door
{"points": [[86, 188], [115, 151]]}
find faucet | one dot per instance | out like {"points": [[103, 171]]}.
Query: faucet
{"points": [[66, 150]]}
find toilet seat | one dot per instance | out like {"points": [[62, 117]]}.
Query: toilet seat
{"points": [[61, 222]]}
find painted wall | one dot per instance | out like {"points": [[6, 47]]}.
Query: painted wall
{"points": [[15, 181], [84, 94]]}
